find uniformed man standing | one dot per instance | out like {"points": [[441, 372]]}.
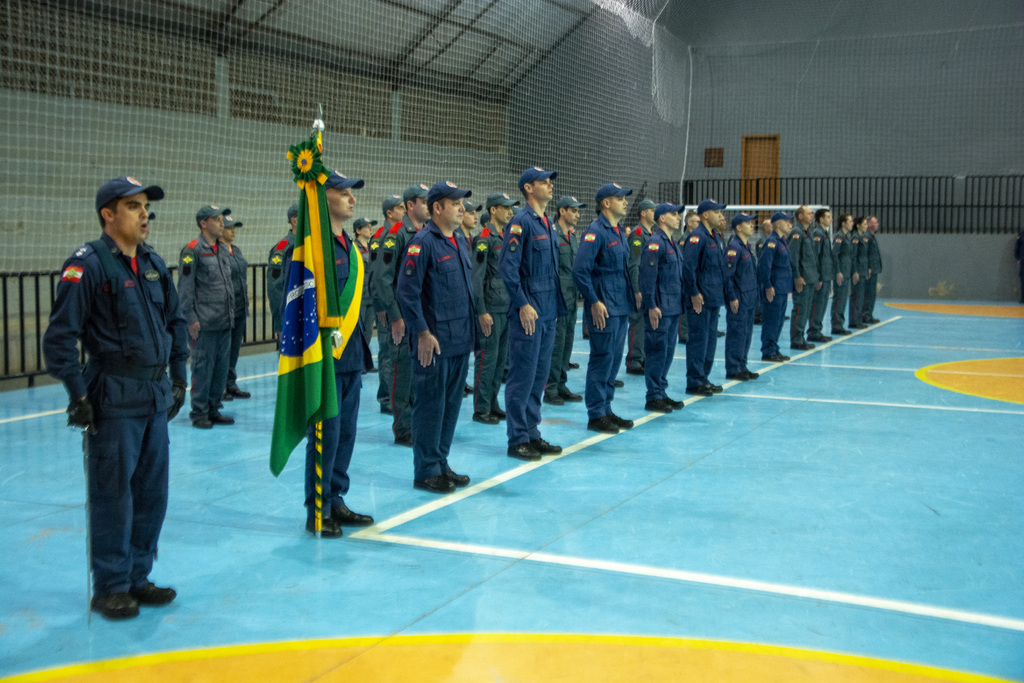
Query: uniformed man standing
{"points": [[860, 273], [601, 274], [362, 228], [661, 284], [275, 270], [557, 392], [338, 435], [842, 260], [435, 291], [117, 298], [775, 280], [638, 237], [468, 227], [208, 303], [822, 248], [384, 282], [805, 277], [704, 290], [394, 211], [491, 302], [240, 287], [529, 268], [766, 230], [741, 298], [874, 268]]}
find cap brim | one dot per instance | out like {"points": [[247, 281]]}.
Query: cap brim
{"points": [[154, 193]]}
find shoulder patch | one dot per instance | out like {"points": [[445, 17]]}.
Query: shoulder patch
{"points": [[375, 245], [653, 246], [485, 233], [276, 260], [695, 239], [481, 246], [414, 249], [395, 228], [193, 244], [589, 237], [731, 252], [639, 230], [771, 245], [389, 242], [516, 229], [281, 246], [81, 251], [380, 231], [817, 239], [72, 274], [795, 236], [186, 259]]}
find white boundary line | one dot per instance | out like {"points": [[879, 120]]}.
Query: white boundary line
{"points": [[882, 404], [886, 604], [934, 348]]}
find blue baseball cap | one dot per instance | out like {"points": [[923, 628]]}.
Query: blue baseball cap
{"points": [[612, 190], [230, 222], [415, 192], [647, 204], [209, 211], [709, 205], [363, 223], [470, 206], [445, 189], [293, 211], [742, 218], [125, 187], [389, 203], [781, 216], [535, 173], [567, 201], [500, 199], [662, 209], [338, 181]]}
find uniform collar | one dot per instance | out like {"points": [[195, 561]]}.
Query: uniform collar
{"points": [[605, 222]]}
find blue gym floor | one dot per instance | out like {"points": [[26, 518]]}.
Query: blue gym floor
{"points": [[838, 504]]}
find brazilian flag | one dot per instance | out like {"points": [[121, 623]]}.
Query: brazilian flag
{"points": [[306, 393]]}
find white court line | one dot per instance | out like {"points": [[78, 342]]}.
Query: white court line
{"points": [[853, 367], [934, 348], [879, 403], [902, 606]]}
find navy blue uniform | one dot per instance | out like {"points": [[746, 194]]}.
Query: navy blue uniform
{"points": [[239, 270], [528, 265], [773, 270], [435, 283], [339, 433], [126, 383], [703, 270], [661, 284], [601, 273], [740, 285], [860, 267]]}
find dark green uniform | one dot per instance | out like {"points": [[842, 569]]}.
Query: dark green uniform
{"points": [[871, 286], [638, 237], [842, 263], [805, 265], [275, 279], [822, 248], [489, 296], [565, 326], [860, 266], [383, 336]]}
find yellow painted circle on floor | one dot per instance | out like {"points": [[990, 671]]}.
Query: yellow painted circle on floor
{"points": [[502, 657], [1001, 379], [965, 309]]}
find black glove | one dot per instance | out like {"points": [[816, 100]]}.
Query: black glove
{"points": [[80, 414], [178, 392]]}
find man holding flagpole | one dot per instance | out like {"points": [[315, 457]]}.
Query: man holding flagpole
{"points": [[338, 434]]}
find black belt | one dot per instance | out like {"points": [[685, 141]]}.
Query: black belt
{"points": [[119, 367]]}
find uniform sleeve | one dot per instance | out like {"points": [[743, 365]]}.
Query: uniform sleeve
{"points": [[795, 254], [691, 263], [72, 307], [731, 290], [647, 276], [828, 272], [178, 329], [837, 252], [479, 261], [410, 285], [187, 284], [286, 267], [385, 296], [583, 267], [636, 244], [510, 260], [764, 267]]}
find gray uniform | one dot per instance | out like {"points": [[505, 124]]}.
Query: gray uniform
{"points": [[805, 265], [384, 282], [822, 248], [366, 308], [565, 326], [207, 296], [871, 286], [842, 262], [275, 279], [489, 296], [240, 287], [638, 237], [383, 335]]}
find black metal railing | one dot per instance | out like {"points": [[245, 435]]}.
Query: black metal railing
{"points": [[928, 205], [27, 299]]}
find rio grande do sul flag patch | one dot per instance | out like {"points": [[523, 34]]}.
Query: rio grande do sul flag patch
{"points": [[72, 274]]}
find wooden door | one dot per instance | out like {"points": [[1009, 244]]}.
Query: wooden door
{"points": [[760, 170]]}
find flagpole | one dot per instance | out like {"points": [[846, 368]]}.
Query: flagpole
{"points": [[318, 128]]}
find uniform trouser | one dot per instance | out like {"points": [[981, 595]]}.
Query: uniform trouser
{"points": [[606, 349], [529, 362], [857, 303], [490, 364], [384, 362], [127, 469], [801, 313], [739, 331], [839, 301], [659, 349], [773, 315], [635, 340], [684, 329], [366, 319], [437, 397], [870, 293], [819, 305], [701, 344], [565, 335], [337, 439], [401, 383], [237, 332], [210, 355]]}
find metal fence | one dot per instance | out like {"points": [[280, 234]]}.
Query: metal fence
{"points": [[927, 205], [27, 299]]}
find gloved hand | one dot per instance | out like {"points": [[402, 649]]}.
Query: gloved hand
{"points": [[178, 392], [80, 413]]}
